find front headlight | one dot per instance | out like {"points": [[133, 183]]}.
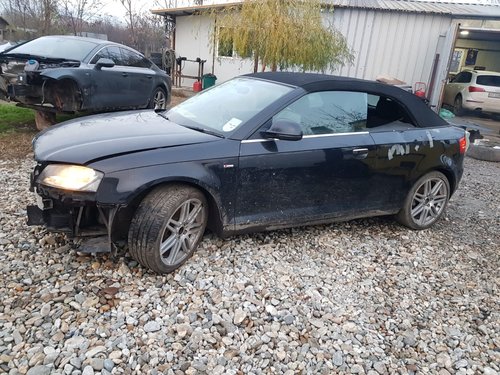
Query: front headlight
{"points": [[70, 177]]}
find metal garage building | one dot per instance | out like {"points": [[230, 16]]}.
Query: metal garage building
{"points": [[413, 41]]}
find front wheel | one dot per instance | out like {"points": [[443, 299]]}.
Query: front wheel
{"points": [[167, 227], [425, 202], [158, 99]]}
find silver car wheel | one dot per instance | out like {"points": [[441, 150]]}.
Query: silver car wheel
{"points": [[182, 232], [429, 201], [160, 100]]}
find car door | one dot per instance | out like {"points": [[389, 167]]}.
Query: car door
{"points": [[140, 78], [110, 85], [327, 173]]}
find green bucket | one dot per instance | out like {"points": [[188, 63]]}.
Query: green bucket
{"points": [[208, 80]]}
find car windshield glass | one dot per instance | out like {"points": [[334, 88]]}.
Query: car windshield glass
{"points": [[488, 80], [225, 107], [56, 47]]}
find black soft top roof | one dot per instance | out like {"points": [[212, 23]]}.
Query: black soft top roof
{"points": [[312, 82], [301, 79]]}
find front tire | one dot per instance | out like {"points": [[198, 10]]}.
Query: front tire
{"points": [[158, 99], [426, 201], [167, 227]]}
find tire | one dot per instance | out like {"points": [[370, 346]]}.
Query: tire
{"points": [[159, 99], [458, 109], [426, 201], [167, 227]]}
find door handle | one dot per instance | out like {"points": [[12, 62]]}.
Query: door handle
{"points": [[124, 75], [360, 153], [149, 77]]}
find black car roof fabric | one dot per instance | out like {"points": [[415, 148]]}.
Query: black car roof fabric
{"points": [[320, 82]]}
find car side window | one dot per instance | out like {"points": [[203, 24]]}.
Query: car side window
{"points": [[131, 58], [457, 78], [328, 112], [463, 77], [115, 55], [331, 112], [467, 77], [386, 114], [103, 53]]}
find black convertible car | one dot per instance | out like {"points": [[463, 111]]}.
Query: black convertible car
{"points": [[259, 152], [67, 74]]}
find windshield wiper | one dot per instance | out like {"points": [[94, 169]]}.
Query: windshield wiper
{"points": [[203, 130], [197, 128]]}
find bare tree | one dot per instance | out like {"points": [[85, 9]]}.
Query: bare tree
{"points": [[32, 17], [131, 13], [79, 13]]}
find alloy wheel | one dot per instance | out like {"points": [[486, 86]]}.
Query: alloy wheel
{"points": [[429, 201], [160, 100], [182, 232]]}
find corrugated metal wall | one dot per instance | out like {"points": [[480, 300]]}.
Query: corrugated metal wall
{"points": [[402, 45]]}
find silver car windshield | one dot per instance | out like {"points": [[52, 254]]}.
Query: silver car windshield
{"points": [[225, 107]]}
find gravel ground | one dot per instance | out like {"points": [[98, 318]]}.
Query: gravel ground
{"points": [[367, 296]]}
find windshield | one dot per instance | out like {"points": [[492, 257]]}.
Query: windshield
{"points": [[488, 80], [56, 47], [225, 107]]}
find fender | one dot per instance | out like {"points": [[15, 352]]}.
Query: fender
{"points": [[126, 187], [76, 75]]}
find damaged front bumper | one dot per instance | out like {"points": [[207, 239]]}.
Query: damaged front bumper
{"points": [[78, 215]]}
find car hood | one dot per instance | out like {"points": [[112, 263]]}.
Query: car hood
{"points": [[87, 139]]}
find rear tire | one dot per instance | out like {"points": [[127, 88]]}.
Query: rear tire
{"points": [[167, 227], [159, 99], [426, 201], [458, 108]]}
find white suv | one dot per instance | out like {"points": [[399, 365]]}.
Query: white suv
{"points": [[477, 90]]}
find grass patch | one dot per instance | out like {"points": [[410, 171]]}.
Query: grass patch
{"points": [[15, 118]]}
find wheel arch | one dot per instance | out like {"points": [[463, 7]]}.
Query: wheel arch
{"points": [[449, 176], [214, 223], [164, 87], [62, 82]]}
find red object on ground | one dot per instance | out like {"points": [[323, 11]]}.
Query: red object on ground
{"points": [[197, 86]]}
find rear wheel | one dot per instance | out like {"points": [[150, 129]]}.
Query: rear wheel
{"points": [[458, 109], [158, 99], [167, 227], [425, 202]]}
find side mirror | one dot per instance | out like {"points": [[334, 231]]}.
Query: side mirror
{"points": [[285, 130], [104, 63]]}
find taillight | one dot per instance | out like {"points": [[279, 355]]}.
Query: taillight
{"points": [[476, 89], [462, 142]]}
